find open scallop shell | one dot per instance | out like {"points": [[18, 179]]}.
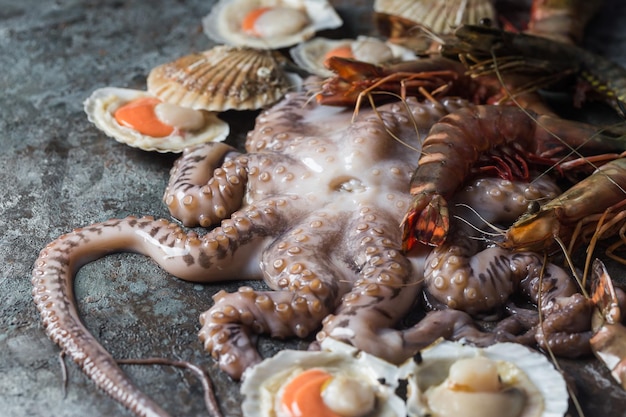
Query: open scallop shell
{"points": [[436, 360], [262, 384], [442, 17], [102, 104], [224, 23], [220, 79], [310, 55]]}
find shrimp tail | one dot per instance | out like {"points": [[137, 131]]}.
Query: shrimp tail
{"points": [[427, 221], [607, 343]]}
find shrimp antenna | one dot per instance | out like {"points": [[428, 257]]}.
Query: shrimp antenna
{"points": [[498, 231], [389, 132], [570, 264], [430, 33], [311, 86]]}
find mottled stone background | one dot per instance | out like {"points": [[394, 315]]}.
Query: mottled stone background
{"points": [[58, 172]]}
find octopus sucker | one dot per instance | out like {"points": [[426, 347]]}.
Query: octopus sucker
{"points": [[206, 186]]}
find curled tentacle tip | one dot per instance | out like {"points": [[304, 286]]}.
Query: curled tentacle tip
{"points": [[235, 364]]}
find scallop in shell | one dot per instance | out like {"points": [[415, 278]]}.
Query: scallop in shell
{"points": [[220, 79], [502, 380], [442, 17], [268, 24], [311, 55], [338, 380], [177, 127]]}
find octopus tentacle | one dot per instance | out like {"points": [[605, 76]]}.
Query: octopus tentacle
{"points": [[383, 292], [307, 288], [542, 281], [53, 295], [479, 282], [218, 255], [229, 327], [457, 325], [566, 326], [459, 277], [462, 274], [207, 184]]}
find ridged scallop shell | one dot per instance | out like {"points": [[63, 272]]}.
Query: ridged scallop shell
{"points": [[310, 55], [220, 79], [542, 374], [223, 23], [102, 104], [441, 16], [262, 383]]}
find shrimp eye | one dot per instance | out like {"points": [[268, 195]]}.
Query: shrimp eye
{"points": [[485, 21], [533, 207]]}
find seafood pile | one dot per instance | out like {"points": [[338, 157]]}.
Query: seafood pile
{"points": [[362, 198]]}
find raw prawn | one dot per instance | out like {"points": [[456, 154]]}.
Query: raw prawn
{"points": [[608, 342], [435, 77], [426, 78], [575, 213], [488, 50], [455, 144]]}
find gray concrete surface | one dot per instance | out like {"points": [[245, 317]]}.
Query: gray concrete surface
{"points": [[58, 172]]}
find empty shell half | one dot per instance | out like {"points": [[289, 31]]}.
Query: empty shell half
{"points": [[140, 120], [268, 24], [311, 55], [502, 380], [221, 78]]}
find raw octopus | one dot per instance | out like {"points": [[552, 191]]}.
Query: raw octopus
{"points": [[316, 202]]}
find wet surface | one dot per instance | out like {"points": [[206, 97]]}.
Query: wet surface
{"points": [[58, 173]]}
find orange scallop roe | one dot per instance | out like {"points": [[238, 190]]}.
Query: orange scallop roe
{"points": [[248, 22], [302, 397], [343, 51], [139, 115]]}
